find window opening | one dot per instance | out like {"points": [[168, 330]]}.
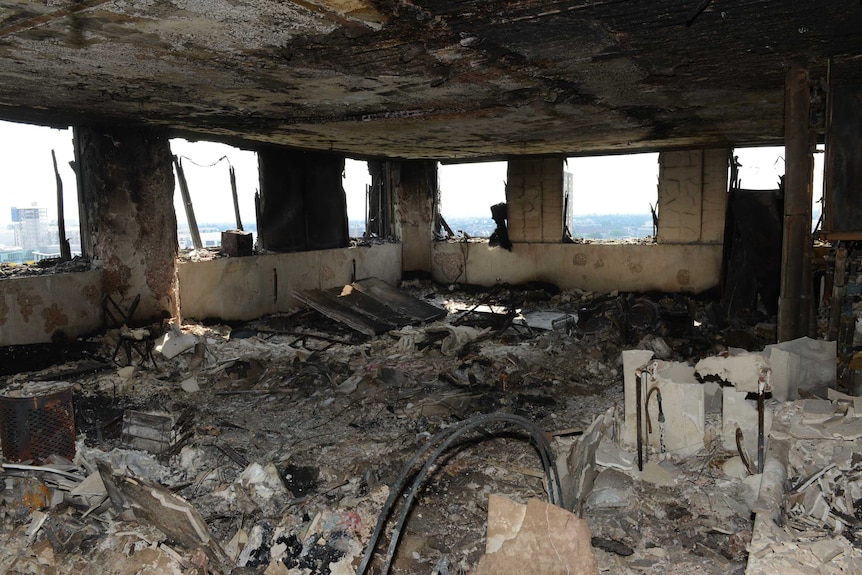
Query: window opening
{"points": [[357, 182], [763, 169], [207, 169], [467, 192], [29, 225], [613, 197]]}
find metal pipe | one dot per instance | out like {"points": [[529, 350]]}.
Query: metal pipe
{"points": [[639, 418], [763, 384]]}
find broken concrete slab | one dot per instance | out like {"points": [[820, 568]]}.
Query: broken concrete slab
{"points": [[547, 320], [580, 468], [657, 474], [682, 404], [609, 454], [169, 512], [370, 306], [536, 537], [816, 364], [612, 489], [171, 344], [739, 368]]}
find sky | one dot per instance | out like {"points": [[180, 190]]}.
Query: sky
{"points": [[603, 184]]}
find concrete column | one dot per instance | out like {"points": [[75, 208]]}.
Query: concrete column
{"points": [[127, 188], [416, 193], [794, 303], [534, 194]]}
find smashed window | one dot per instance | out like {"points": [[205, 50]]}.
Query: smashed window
{"points": [[36, 164], [467, 192], [356, 181], [613, 197], [213, 172]]}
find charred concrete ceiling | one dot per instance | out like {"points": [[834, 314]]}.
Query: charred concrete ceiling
{"points": [[422, 78]]}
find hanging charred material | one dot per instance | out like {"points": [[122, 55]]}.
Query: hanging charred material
{"points": [[753, 258], [500, 237], [302, 203]]}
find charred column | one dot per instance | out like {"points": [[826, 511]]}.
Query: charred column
{"points": [[794, 308], [416, 191], [302, 201], [127, 188]]}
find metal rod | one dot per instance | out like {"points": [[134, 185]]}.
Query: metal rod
{"points": [[760, 438], [639, 410]]}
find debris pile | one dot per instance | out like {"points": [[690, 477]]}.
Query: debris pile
{"points": [[273, 446]]}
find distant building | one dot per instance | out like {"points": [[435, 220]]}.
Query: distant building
{"points": [[31, 227]]}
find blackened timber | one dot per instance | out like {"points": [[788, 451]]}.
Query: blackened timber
{"points": [[341, 313], [370, 306], [407, 305], [65, 249], [793, 309]]}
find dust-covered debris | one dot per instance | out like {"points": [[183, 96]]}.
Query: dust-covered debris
{"points": [[286, 434]]}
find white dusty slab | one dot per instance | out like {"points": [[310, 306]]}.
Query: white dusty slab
{"points": [[681, 434], [816, 365], [741, 369]]}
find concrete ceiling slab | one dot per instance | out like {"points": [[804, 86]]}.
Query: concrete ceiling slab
{"points": [[422, 78]]}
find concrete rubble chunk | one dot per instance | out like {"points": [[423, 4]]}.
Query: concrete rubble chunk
{"points": [[458, 336], [535, 538], [190, 385], [815, 366], [167, 511], [658, 475], [817, 410], [682, 406], [611, 489], [741, 369], [609, 454], [171, 345], [581, 461], [547, 320]]}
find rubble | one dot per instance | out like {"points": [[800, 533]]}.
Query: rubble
{"points": [[273, 446]]}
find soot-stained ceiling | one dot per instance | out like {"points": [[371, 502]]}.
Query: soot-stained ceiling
{"points": [[423, 78]]}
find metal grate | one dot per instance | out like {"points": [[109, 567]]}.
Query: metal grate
{"points": [[33, 428]]}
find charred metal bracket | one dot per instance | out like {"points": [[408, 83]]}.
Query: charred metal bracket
{"points": [[764, 384], [642, 375]]}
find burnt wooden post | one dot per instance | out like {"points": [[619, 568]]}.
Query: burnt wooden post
{"points": [[187, 204], [65, 249], [235, 199], [794, 304]]}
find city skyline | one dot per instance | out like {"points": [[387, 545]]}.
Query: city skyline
{"points": [[602, 184]]}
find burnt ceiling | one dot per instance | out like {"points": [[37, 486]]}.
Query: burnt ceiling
{"points": [[422, 78]]}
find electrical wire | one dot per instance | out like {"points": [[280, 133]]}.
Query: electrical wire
{"points": [[191, 161], [552, 476]]}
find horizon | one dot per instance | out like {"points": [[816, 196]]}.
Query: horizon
{"points": [[602, 185]]}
